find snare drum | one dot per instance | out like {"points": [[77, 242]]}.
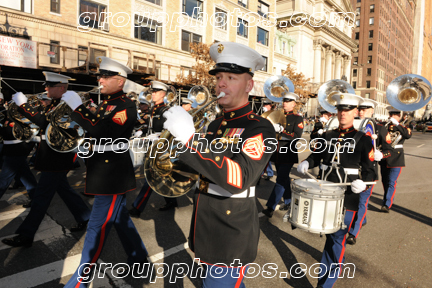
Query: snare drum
{"points": [[315, 208]]}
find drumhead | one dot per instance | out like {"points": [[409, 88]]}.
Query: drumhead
{"points": [[312, 186]]}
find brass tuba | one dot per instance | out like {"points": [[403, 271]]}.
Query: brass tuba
{"points": [[62, 134], [23, 128], [330, 88], [165, 174]]}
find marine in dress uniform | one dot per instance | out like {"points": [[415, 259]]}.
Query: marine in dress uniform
{"points": [[394, 159], [319, 126], [159, 91], [361, 157], [267, 106], [366, 110], [110, 173], [224, 225], [144, 117], [286, 155], [53, 165]]}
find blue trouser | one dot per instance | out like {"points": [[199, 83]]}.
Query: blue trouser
{"points": [[108, 210], [282, 186], [144, 195], [269, 170], [389, 178], [223, 276], [334, 253], [362, 211], [17, 165], [49, 183]]}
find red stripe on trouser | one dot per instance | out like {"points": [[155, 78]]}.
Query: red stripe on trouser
{"points": [[102, 236], [240, 279], [366, 209], [394, 192], [145, 196], [343, 242]]}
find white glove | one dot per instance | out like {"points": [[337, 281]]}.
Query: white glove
{"points": [[378, 155], [264, 109], [138, 134], [324, 120], [358, 186], [320, 131], [72, 99], [19, 98], [278, 128], [179, 123], [303, 167], [394, 121]]}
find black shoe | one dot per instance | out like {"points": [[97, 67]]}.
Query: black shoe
{"points": [[18, 241], [134, 212], [17, 185], [364, 224], [267, 212], [79, 226], [168, 206], [351, 240], [285, 207], [27, 205], [267, 178], [385, 209]]}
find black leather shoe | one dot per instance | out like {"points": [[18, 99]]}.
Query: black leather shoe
{"points": [[27, 205], [267, 178], [18, 241], [168, 206], [267, 212], [79, 226], [385, 209], [134, 212], [351, 240]]}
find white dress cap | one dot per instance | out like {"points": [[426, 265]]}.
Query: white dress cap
{"points": [[159, 85], [290, 96], [346, 100], [52, 77], [110, 67], [368, 103], [391, 109]]}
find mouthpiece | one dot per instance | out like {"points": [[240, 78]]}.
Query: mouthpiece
{"points": [[222, 94], [100, 87]]}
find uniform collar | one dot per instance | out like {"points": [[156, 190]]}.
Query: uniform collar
{"points": [[235, 113], [114, 96], [288, 113], [159, 105], [346, 130]]}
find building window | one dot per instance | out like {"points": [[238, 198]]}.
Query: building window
{"points": [[96, 12], [371, 20], [369, 61], [367, 84], [369, 72], [192, 7], [23, 6], [370, 46], [243, 3], [367, 96], [358, 10], [96, 53], [358, 1], [265, 64], [242, 28], [358, 22], [157, 2], [148, 29], [263, 9], [221, 19], [354, 84], [354, 72], [371, 8], [262, 36], [55, 48], [55, 6], [355, 61], [82, 55], [357, 36], [187, 38], [370, 33]]}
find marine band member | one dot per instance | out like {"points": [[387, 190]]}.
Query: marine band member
{"points": [[319, 125]]}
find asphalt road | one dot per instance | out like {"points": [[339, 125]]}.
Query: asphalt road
{"points": [[393, 250]]}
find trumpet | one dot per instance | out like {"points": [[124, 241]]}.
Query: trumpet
{"points": [[62, 134]]}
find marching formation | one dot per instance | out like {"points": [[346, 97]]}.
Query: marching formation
{"points": [[217, 147]]}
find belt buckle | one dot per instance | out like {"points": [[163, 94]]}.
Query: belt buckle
{"points": [[203, 186]]}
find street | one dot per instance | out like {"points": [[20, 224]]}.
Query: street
{"points": [[392, 250]]}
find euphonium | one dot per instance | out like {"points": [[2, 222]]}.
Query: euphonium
{"points": [[164, 173], [23, 128], [62, 134]]}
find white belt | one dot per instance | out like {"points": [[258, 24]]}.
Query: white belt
{"points": [[108, 148], [7, 142], [351, 171], [219, 191], [398, 146], [43, 137]]}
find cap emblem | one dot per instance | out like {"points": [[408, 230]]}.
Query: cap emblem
{"points": [[220, 48]]}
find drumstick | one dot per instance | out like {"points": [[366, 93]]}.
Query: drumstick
{"points": [[311, 176], [345, 184]]}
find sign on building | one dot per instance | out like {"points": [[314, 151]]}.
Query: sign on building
{"points": [[17, 52]]}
